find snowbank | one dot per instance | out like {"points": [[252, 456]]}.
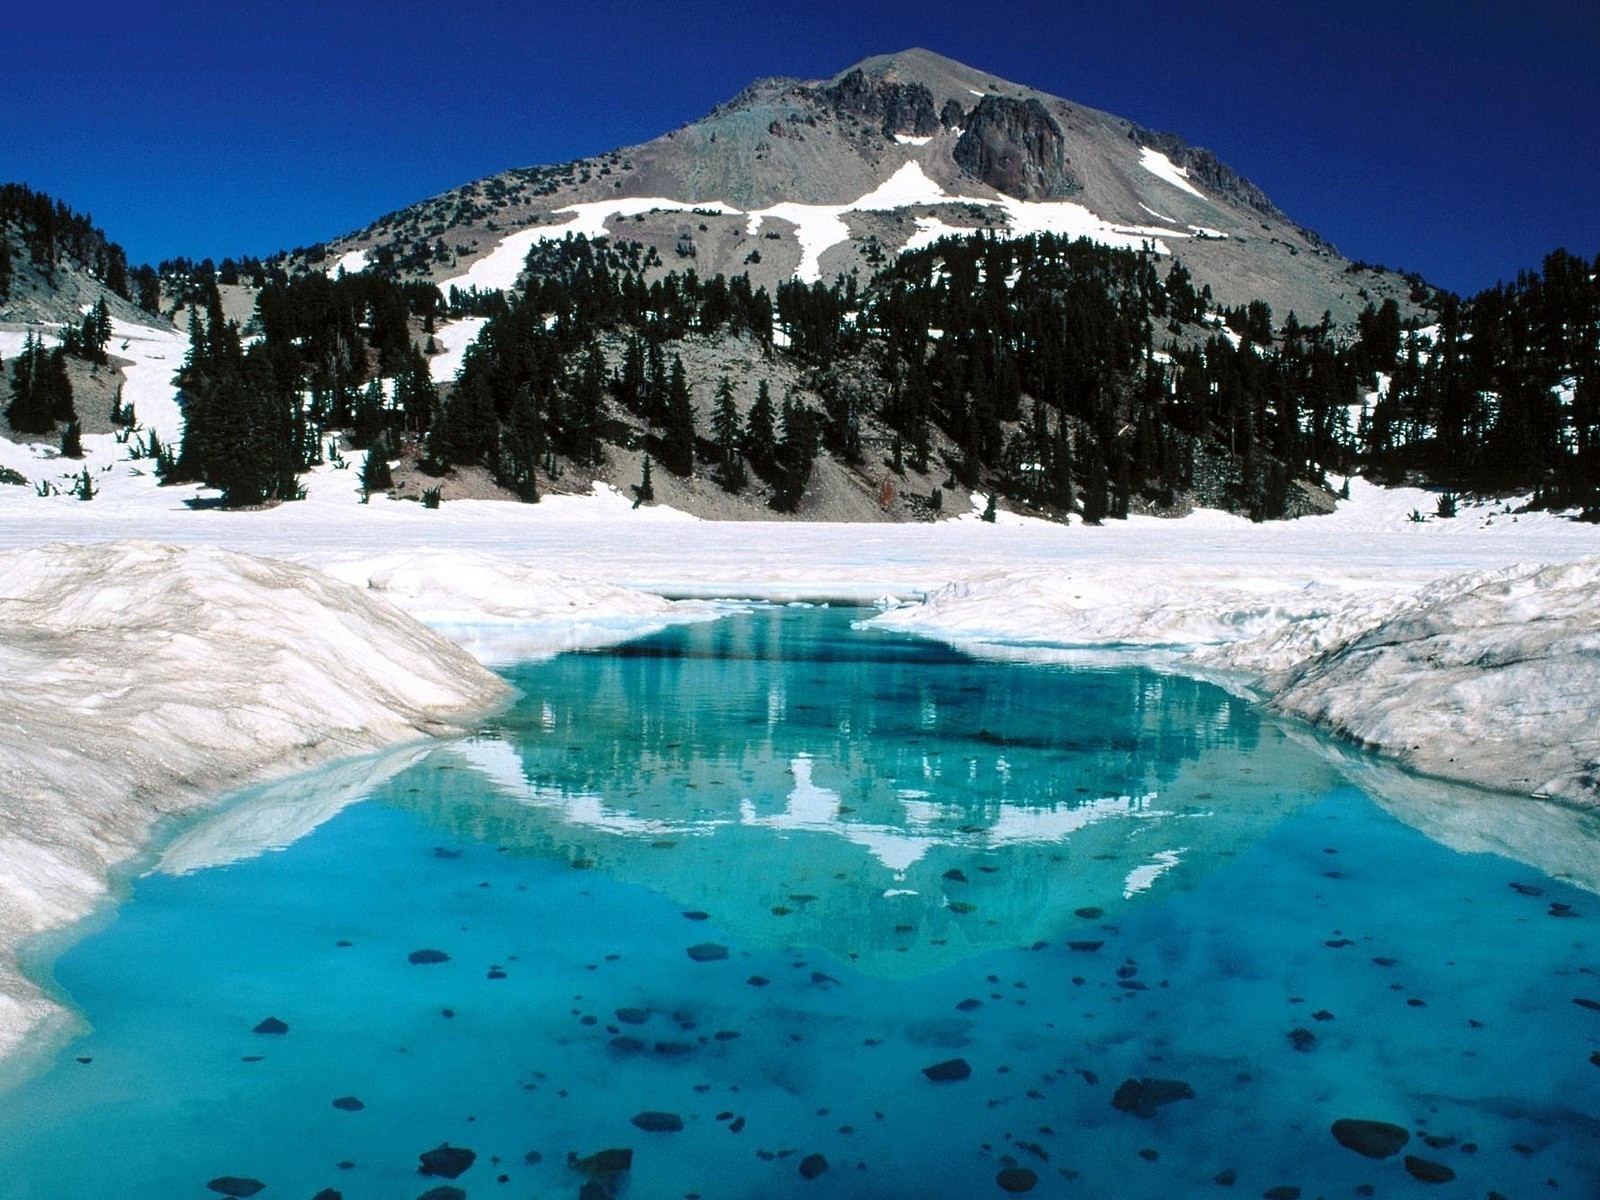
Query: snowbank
{"points": [[506, 612], [1491, 680], [1483, 677], [143, 679]]}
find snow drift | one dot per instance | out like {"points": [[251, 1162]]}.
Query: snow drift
{"points": [[141, 680], [1486, 677], [1491, 680]]}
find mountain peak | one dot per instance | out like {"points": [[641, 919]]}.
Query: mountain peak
{"points": [[821, 177]]}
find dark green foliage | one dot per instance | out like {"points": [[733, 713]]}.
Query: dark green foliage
{"points": [[795, 457], [989, 511], [1485, 406], [522, 446], [72, 440], [244, 430], [432, 497], [83, 487], [725, 431], [88, 340], [376, 475], [677, 441], [41, 393], [760, 440]]}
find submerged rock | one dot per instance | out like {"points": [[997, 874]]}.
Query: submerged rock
{"points": [[1016, 1180], [603, 1166], [447, 1161], [949, 1071], [708, 952], [1375, 1139], [633, 1016], [1427, 1171], [812, 1165], [235, 1185], [1142, 1097], [659, 1122], [445, 1192], [427, 955], [271, 1025], [348, 1104]]}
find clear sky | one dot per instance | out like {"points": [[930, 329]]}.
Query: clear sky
{"points": [[1456, 138]]}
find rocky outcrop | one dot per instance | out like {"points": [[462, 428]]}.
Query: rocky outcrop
{"points": [[906, 108], [1016, 147]]}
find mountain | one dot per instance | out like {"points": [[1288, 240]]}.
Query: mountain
{"points": [[819, 178]]}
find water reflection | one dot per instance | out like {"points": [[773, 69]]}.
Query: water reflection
{"points": [[881, 797]]}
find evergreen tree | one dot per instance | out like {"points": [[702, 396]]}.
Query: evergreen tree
{"points": [[796, 454], [376, 474], [677, 443], [72, 440], [730, 473], [760, 442], [414, 393], [41, 393], [522, 445]]}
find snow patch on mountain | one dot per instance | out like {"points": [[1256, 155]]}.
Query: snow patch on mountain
{"points": [[498, 270], [453, 338], [351, 262], [1162, 167]]}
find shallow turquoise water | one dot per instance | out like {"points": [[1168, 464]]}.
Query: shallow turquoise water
{"points": [[901, 851]]}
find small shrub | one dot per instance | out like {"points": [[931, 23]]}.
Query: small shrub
{"points": [[431, 497], [1446, 507]]}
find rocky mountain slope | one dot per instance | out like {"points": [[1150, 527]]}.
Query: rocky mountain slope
{"points": [[821, 178]]}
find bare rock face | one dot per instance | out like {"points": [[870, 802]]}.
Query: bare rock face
{"points": [[1016, 147], [898, 107]]}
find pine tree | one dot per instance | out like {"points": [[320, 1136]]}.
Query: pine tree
{"points": [[730, 474], [760, 442], [41, 393], [522, 445], [376, 475], [72, 440], [677, 444], [796, 454]]}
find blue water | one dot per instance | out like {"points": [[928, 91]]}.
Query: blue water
{"points": [[902, 852]]}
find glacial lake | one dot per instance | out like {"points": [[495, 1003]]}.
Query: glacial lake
{"points": [[786, 907]]}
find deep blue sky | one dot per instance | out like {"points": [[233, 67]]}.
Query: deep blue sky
{"points": [[1452, 137]]}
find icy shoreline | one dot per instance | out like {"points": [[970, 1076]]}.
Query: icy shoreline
{"points": [[1487, 678], [143, 681]]}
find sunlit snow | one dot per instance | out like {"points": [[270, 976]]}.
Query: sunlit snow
{"points": [[1162, 167]]}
